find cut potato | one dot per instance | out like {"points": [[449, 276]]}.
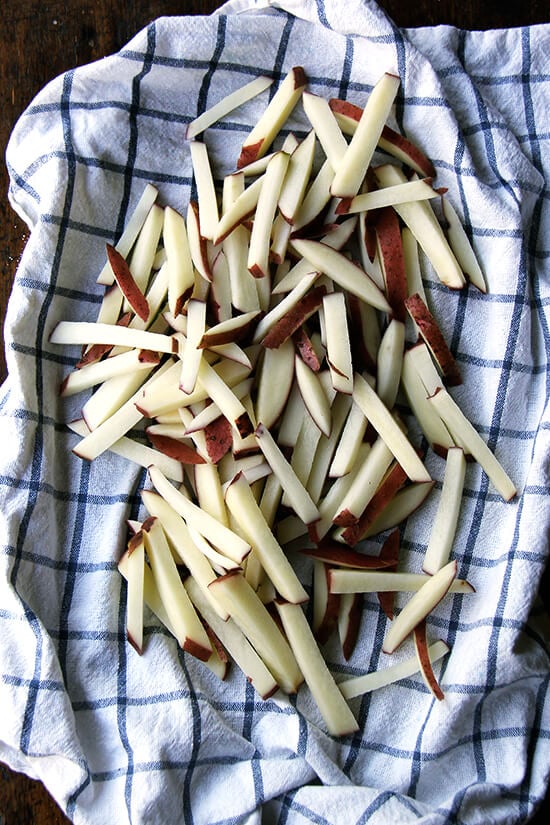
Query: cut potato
{"points": [[265, 344]]}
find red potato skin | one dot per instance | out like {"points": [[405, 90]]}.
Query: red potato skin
{"points": [[196, 650], [424, 659], [256, 271], [294, 318], [345, 518], [220, 649], [175, 449], [127, 284], [134, 542], [388, 233], [219, 438], [345, 108], [249, 154], [333, 552], [390, 554], [244, 425], [147, 356], [148, 523], [410, 149], [393, 482], [300, 77], [182, 300], [305, 349], [343, 206], [132, 641], [434, 338]]}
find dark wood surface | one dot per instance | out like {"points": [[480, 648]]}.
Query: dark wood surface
{"points": [[40, 41]]}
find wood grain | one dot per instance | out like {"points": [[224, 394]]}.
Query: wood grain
{"points": [[42, 40]]}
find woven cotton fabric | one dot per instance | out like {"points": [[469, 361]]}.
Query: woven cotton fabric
{"points": [[158, 739]]}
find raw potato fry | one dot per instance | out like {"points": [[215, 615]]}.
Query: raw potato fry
{"points": [[414, 190], [260, 236], [251, 615], [247, 512], [424, 660], [353, 167], [432, 426], [198, 246], [297, 314], [206, 193], [274, 383], [420, 604], [349, 620], [131, 230], [297, 176], [326, 128], [386, 426], [192, 352], [302, 502], [99, 371], [390, 362], [316, 198], [434, 339], [353, 432], [337, 342], [391, 483], [315, 397], [234, 641], [226, 540], [364, 485], [290, 307], [462, 247], [348, 115], [380, 581], [457, 423], [138, 453], [444, 526], [345, 273], [244, 292], [271, 373], [88, 332], [226, 105], [402, 505], [188, 629], [127, 283], [278, 109], [151, 595], [337, 716], [182, 543], [181, 277], [359, 685], [421, 221], [242, 205], [145, 248], [135, 598]]}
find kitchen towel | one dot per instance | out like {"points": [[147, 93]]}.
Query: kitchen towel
{"points": [[158, 739]]}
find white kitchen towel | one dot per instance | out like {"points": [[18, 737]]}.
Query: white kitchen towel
{"points": [[158, 739]]}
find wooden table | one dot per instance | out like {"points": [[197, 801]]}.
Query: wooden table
{"points": [[41, 40]]}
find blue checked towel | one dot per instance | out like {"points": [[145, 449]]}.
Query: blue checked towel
{"points": [[117, 738]]}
